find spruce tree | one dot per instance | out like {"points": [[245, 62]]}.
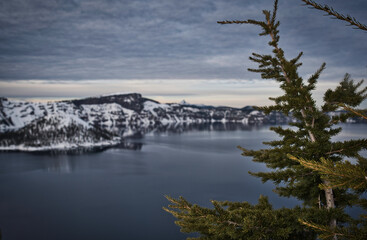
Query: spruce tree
{"points": [[309, 137], [344, 174], [347, 176]]}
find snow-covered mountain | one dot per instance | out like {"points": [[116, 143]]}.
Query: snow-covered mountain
{"points": [[105, 120]]}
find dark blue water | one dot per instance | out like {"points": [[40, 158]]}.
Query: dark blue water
{"points": [[119, 193]]}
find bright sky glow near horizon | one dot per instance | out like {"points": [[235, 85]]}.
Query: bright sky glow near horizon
{"points": [[227, 92], [167, 50]]}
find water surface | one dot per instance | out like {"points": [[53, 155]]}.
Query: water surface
{"points": [[119, 193]]}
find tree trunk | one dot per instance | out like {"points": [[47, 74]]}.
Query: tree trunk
{"points": [[330, 204], [329, 195]]}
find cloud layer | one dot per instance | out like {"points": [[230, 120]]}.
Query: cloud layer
{"points": [[167, 39]]}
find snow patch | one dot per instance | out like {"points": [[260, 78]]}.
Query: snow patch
{"points": [[60, 146]]}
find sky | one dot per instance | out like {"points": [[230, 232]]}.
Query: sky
{"points": [[168, 50]]}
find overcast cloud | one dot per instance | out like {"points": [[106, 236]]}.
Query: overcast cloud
{"points": [[75, 40], [167, 49]]}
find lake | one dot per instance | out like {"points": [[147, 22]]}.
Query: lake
{"points": [[119, 193]]}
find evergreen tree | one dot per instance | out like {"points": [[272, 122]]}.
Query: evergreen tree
{"points": [[342, 175], [309, 138]]}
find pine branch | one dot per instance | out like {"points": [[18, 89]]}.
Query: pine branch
{"points": [[356, 112], [233, 22], [241, 220], [331, 12], [339, 175], [327, 232], [350, 232], [346, 95]]}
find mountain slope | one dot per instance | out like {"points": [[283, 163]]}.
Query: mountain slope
{"points": [[106, 120]]}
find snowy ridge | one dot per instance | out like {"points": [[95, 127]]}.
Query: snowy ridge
{"points": [[102, 121], [106, 120], [106, 115]]}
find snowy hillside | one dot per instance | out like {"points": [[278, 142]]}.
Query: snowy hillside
{"points": [[105, 120]]}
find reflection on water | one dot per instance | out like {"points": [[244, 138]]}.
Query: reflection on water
{"points": [[137, 132], [131, 141], [135, 146], [59, 164], [64, 161], [68, 161]]}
